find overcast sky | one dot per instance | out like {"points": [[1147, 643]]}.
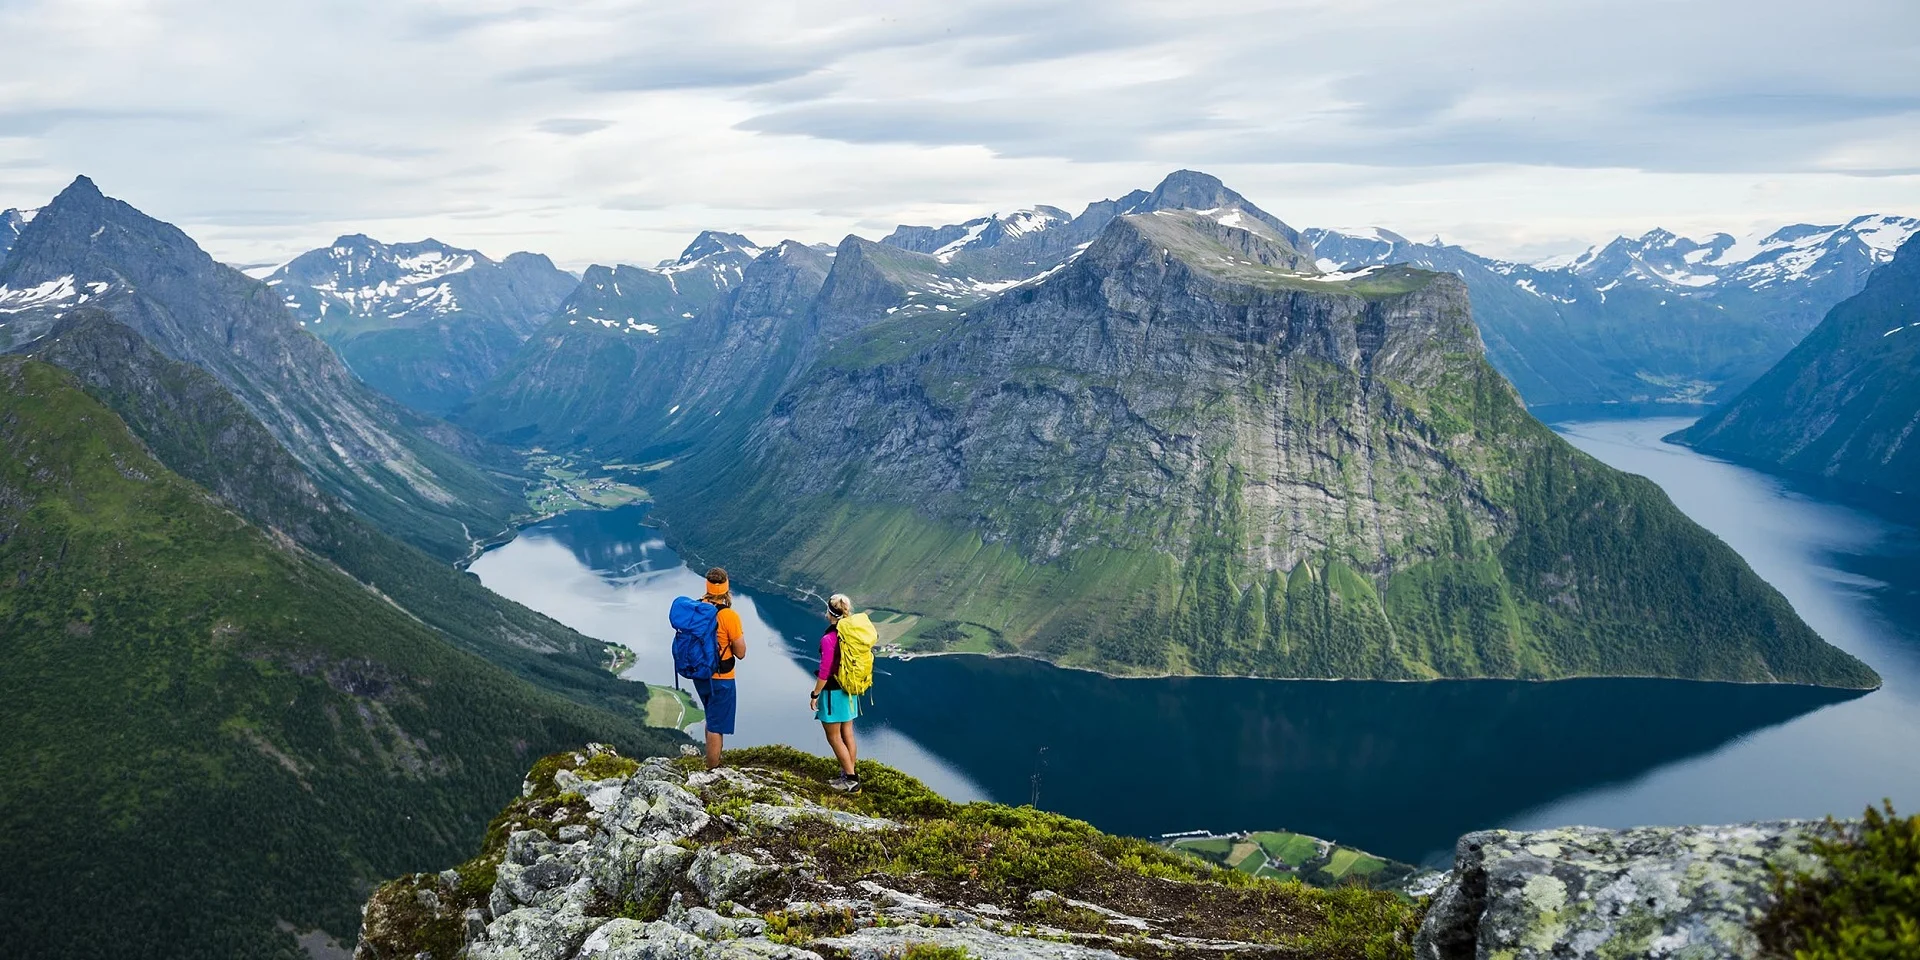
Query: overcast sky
{"points": [[596, 130]]}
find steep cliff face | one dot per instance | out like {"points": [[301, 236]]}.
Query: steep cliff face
{"points": [[397, 468], [189, 696], [1845, 403], [1189, 451], [11, 223], [424, 322]]}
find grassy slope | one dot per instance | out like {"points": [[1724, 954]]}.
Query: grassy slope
{"points": [[208, 730], [193, 426]]}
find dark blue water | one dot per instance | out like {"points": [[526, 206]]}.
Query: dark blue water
{"points": [[1399, 769]]}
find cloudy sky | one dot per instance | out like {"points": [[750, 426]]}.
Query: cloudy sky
{"points": [[600, 130]]}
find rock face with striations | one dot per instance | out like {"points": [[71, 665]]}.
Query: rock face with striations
{"points": [[1579, 892], [407, 473], [1186, 450], [1845, 403]]}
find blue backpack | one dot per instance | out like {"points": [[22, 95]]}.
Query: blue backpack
{"points": [[696, 646]]}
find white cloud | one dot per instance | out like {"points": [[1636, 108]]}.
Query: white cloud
{"points": [[600, 130]]}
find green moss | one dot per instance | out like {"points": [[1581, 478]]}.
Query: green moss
{"points": [[801, 927], [1861, 903], [931, 951]]}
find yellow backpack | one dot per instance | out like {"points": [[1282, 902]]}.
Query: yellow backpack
{"points": [[855, 667]]}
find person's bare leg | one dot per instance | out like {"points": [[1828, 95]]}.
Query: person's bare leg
{"points": [[836, 739], [714, 742], [853, 747]]}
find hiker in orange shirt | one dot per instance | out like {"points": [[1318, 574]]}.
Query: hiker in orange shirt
{"points": [[717, 694]]}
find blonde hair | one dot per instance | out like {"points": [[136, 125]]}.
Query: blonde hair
{"points": [[839, 606]]}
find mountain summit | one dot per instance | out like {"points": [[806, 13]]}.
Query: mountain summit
{"points": [[1189, 450], [87, 248], [426, 323]]}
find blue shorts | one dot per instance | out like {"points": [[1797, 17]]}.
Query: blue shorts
{"points": [[837, 706], [716, 697]]}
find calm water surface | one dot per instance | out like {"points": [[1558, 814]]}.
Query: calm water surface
{"points": [[1400, 769]]}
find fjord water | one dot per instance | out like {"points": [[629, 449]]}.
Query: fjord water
{"points": [[1397, 768]]}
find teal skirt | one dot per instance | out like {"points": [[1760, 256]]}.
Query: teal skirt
{"points": [[836, 706]]}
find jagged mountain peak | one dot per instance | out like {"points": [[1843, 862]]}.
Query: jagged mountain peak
{"points": [[1205, 193], [82, 189], [947, 242], [713, 242]]}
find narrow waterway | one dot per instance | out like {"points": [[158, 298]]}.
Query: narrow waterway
{"points": [[1400, 769]]}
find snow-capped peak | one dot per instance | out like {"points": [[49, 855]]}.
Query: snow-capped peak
{"points": [[713, 243], [1883, 234]]}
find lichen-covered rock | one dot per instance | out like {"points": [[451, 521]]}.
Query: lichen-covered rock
{"points": [[535, 870], [531, 933], [606, 859], [889, 943], [1688, 893], [656, 809], [721, 877], [625, 939], [784, 815]]}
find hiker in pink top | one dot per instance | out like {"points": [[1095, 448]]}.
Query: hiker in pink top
{"points": [[837, 711]]}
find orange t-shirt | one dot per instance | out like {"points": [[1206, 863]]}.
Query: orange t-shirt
{"points": [[727, 633]]}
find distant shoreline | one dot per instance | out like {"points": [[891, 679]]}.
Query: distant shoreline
{"points": [[914, 655], [689, 560]]}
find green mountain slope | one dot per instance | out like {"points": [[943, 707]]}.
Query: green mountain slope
{"points": [[197, 429], [1843, 404], [419, 479], [1187, 451], [209, 730]]}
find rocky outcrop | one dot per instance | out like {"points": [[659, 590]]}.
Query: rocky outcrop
{"points": [[603, 857], [1582, 892]]}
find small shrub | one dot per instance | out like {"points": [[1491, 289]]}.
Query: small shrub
{"points": [[1865, 904], [933, 951]]}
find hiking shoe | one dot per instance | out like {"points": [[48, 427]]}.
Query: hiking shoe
{"points": [[845, 784]]}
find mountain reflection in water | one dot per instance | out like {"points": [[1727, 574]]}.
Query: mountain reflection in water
{"points": [[1401, 769]]}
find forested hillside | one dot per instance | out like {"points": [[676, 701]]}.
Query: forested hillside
{"points": [[213, 736]]}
